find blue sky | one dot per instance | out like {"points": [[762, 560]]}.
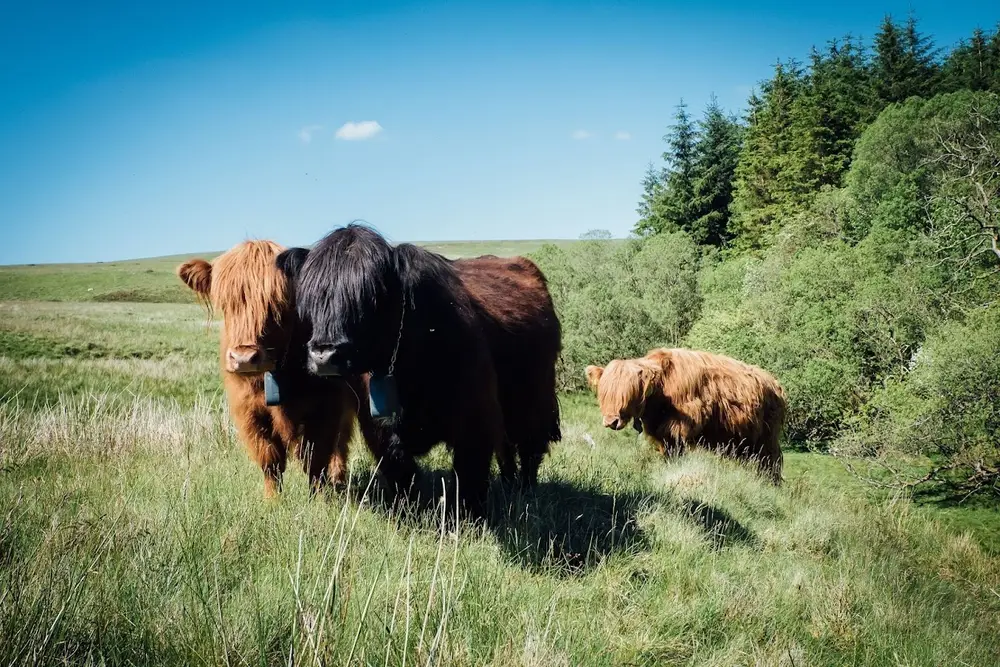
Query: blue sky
{"points": [[142, 129]]}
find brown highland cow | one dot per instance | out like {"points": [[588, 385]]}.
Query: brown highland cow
{"points": [[525, 337], [686, 397], [314, 419]]}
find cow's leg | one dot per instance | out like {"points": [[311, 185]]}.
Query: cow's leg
{"points": [[471, 463], [318, 446], [532, 454], [265, 446], [506, 461]]}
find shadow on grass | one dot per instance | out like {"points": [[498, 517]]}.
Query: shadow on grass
{"points": [[722, 529], [567, 530], [556, 528]]}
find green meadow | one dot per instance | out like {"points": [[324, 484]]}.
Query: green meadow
{"points": [[133, 530]]}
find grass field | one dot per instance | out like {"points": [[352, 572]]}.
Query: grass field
{"points": [[133, 530]]}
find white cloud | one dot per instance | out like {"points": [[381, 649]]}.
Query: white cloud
{"points": [[352, 131], [307, 132], [582, 134], [622, 135]]}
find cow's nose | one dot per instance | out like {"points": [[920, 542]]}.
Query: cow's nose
{"points": [[244, 358], [321, 354], [613, 423], [330, 358]]}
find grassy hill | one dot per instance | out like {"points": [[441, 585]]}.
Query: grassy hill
{"points": [[152, 280]]}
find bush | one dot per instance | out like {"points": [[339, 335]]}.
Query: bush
{"points": [[791, 316], [618, 300], [945, 410]]}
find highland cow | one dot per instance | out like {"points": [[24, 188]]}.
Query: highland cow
{"points": [[314, 419], [437, 334], [525, 338], [685, 397]]}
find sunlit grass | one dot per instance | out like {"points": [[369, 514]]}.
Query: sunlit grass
{"points": [[134, 531]]}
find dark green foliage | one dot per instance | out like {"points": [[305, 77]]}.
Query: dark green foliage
{"points": [[904, 63], [765, 191], [619, 301], [716, 155], [667, 201], [679, 176], [694, 191], [649, 210], [836, 104], [975, 65]]}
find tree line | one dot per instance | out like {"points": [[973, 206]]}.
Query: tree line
{"points": [[731, 181], [843, 234]]}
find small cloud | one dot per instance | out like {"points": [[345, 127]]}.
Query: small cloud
{"points": [[622, 136], [307, 132], [581, 134], [352, 131]]}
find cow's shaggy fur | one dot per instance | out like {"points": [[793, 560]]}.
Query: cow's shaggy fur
{"points": [[260, 331], [517, 314], [687, 397], [455, 329]]}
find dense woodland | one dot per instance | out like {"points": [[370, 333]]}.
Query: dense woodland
{"points": [[843, 234]]}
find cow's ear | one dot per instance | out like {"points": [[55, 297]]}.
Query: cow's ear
{"points": [[661, 358], [290, 261], [649, 376], [197, 275], [594, 374]]}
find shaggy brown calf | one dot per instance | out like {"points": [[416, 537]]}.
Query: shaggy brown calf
{"points": [[525, 337], [683, 397], [315, 417]]}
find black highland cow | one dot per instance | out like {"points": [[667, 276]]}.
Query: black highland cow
{"points": [[470, 344]]}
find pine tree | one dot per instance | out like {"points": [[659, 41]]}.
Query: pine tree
{"points": [[890, 62], [717, 153], [836, 104], [968, 66], [650, 216], [993, 51], [904, 62], [666, 203], [763, 186], [680, 173], [924, 72]]}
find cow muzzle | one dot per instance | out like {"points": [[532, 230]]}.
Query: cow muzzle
{"points": [[615, 423], [326, 359], [248, 360]]}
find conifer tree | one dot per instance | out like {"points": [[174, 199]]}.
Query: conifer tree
{"points": [[649, 209], [993, 51], [967, 66], [667, 199], [904, 62], [679, 177], [717, 153], [836, 104], [974, 64], [763, 190], [924, 73]]}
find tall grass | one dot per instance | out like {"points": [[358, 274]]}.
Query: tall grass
{"points": [[133, 531]]}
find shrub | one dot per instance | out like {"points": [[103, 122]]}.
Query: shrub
{"points": [[619, 300], [945, 410]]}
